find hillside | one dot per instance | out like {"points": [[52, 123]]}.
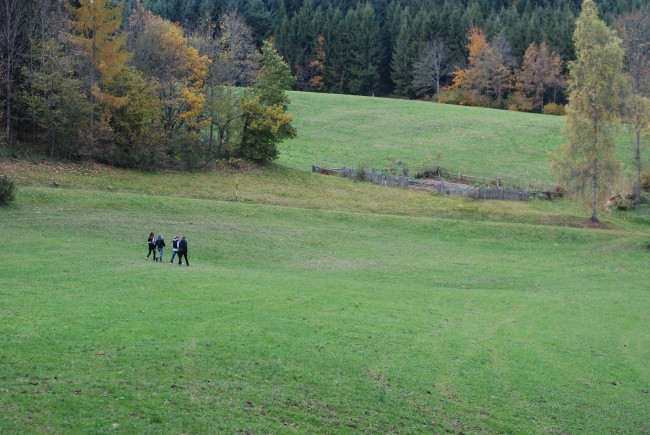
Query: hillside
{"points": [[336, 130], [292, 320], [317, 304]]}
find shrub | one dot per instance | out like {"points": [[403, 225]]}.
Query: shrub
{"points": [[362, 168], [7, 190], [453, 96], [554, 109], [623, 203], [645, 179], [518, 102]]}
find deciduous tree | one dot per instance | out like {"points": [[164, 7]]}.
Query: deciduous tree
{"points": [[310, 75], [634, 29], [587, 163], [540, 71], [56, 101], [98, 24], [487, 72], [431, 66], [265, 121], [13, 39]]}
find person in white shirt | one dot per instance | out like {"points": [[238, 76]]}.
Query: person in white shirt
{"points": [[174, 249]]}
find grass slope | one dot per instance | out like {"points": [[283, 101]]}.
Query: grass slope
{"points": [[320, 305], [293, 320], [335, 130]]}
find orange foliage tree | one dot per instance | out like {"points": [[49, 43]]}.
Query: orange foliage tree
{"points": [[487, 73], [540, 71], [97, 25]]}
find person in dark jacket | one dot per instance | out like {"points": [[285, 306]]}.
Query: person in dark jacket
{"points": [[182, 251], [151, 241], [160, 244]]}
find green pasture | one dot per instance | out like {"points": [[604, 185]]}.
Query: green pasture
{"points": [[321, 305], [298, 320], [343, 130], [335, 130]]}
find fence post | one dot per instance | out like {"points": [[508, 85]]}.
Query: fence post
{"points": [[460, 176]]}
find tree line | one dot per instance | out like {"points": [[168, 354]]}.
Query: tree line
{"points": [[372, 47], [129, 88]]}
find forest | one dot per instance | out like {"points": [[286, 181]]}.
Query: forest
{"points": [[182, 83]]}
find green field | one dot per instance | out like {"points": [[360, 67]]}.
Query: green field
{"points": [[317, 304], [336, 130]]}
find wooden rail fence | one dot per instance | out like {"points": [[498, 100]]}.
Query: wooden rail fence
{"points": [[497, 193]]}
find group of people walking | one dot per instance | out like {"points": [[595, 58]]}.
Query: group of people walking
{"points": [[179, 247]]}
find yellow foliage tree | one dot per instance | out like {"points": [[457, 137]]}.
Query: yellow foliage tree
{"points": [[187, 75], [264, 127]]}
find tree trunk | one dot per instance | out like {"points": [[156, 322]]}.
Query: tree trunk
{"points": [[594, 178], [637, 189], [52, 145], [210, 143], [211, 119], [8, 132]]}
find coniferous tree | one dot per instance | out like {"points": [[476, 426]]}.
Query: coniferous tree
{"points": [[337, 41], [403, 59], [365, 50], [97, 25]]}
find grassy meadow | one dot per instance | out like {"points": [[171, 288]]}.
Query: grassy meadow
{"points": [[317, 304], [337, 130]]}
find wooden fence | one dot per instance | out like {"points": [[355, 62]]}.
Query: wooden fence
{"points": [[477, 192], [538, 191], [377, 178], [443, 188]]}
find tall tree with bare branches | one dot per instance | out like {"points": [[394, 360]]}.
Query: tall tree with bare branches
{"points": [[14, 39], [431, 66]]}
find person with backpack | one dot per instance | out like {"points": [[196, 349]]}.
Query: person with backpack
{"points": [[182, 251], [174, 249], [160, 244], [151, 241]]}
